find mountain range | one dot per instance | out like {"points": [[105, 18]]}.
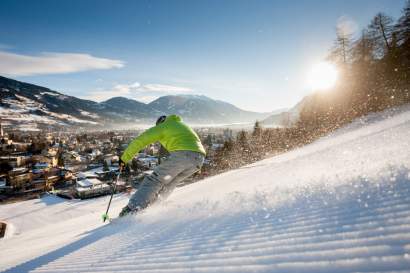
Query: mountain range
{"points": [[34, 107], [286, 117]]}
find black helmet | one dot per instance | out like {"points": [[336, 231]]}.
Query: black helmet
{"points": [[161, 119]]}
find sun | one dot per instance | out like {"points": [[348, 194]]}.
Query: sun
{"points": [[322, 76]]}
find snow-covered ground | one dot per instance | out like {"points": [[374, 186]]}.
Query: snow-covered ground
{"points": [[341, 204]]}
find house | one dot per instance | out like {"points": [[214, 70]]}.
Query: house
{"points": [[72, 156], [151, 149], [15, 161], [39, 182], [19, 178], [147, 161], [50, 159], [5, 143], [67, 175], [110, 159], [95, 153], [98, 173], [51, 180], [217, 146], [3, 184], [91, 187], [41, 167]]}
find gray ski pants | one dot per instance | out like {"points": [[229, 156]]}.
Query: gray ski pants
{"points": [[178, 166]]}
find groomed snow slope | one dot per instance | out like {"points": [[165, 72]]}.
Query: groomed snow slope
{"points": [[341, 204]]}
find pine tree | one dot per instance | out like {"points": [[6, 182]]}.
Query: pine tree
{"points": [[381, 33], [403, 26], [242, 140], [60, 161], [362, 49], [208, 141], [340, 51], [257, 129], [403, 37]]}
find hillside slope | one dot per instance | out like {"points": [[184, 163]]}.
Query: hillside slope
{"points": [[31, 107], [341, 204], [201, 109]]}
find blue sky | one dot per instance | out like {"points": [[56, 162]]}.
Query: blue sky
{"points": [[254, 54]]}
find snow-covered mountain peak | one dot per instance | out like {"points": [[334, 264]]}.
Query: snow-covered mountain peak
{"points": [[112, 112]]}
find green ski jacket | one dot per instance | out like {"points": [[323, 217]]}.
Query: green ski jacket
{"points": [[173, 134]]}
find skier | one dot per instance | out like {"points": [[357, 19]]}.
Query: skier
{"points": [[186, 158]]}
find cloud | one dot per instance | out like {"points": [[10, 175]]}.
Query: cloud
{"points": [[144, 93], [164, 88], [12, 64]]}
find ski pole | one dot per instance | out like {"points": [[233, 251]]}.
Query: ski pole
{"points": [[105, 216]]}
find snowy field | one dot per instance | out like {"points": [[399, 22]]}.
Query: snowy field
{"points": [[341, 204]]}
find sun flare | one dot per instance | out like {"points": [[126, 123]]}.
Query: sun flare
{"points": [[322, 76]]}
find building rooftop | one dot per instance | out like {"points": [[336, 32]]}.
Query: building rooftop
{"points": [[89, 182]]}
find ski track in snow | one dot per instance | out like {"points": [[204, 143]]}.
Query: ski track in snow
{"points": [[341, 204]]}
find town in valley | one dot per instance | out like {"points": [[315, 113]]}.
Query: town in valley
{"points": [[82, 164]]}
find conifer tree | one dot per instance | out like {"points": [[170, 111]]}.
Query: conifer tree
{"points": [[381, 33]]}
